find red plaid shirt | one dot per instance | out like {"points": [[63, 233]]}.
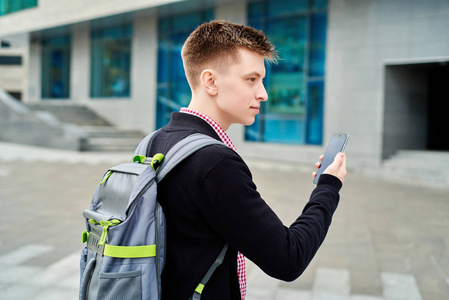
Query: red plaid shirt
{"points": [[241, 264]]}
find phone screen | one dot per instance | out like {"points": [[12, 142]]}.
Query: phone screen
{"points": [[337, 144]]}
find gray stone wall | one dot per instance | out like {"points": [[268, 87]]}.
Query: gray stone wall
{"points": [[364, 38]]}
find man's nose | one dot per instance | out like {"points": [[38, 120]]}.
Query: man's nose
{"points": [[262, 94]]}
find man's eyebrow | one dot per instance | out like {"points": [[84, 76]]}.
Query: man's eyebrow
{"points": [[254, 73]]}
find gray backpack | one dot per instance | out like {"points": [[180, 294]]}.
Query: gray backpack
{"points": [[125, 252]]}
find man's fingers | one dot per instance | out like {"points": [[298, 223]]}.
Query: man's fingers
{"points": [[343, 164], [339, 158]]}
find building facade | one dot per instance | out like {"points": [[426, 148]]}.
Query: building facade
{"points": [[375, 69], [14, 65]]}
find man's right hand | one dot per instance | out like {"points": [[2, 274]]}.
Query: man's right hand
{"points": [[338, 167]]}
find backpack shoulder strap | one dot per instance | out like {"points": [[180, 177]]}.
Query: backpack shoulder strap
{"points": [[174, 156], [182, 150], [143, 145], [177, 154], [218, 261]]}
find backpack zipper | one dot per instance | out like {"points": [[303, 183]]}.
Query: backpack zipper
{"points": [[135, 202]]}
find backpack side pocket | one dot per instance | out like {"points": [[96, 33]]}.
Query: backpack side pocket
{"points": [[124, 285]]}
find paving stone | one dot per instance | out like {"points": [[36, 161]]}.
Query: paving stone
{"points": [[332, 282], [19, 292], [400, 287], [364, 297], [23, 254], [55, 293], [261, 286], [391, 231], [290, 294]]}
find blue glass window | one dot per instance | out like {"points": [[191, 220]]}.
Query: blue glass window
{"points": [[317, 50], [173, 91], [294, 111], [56, 67], [111, 61], [10, 6]]}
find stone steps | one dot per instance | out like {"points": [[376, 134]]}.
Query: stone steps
{"points": [[113, 144], [111, 131], [102, 135], [418, 167], [70, 113]]}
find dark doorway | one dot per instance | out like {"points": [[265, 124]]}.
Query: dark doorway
{"points": [[438, 108], [416, 110]]}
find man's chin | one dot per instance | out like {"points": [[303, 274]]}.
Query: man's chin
{"points": [[250, 122]]}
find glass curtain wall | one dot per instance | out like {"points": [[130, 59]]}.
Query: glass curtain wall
{"points": [[111, 62], [10, 6], [173, 91], [294, 112], [56, 67]]}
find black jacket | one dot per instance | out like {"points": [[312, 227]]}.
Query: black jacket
{"points": [[209, 199]]}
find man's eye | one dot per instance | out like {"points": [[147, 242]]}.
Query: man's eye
{"points": [[252, 79]]}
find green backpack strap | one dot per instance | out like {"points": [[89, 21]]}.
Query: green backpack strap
{"points": [[199, 289]]}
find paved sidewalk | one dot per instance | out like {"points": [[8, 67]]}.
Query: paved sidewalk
{"points": [[387, 241]]}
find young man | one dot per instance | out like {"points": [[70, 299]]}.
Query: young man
{"points": [[210, 198]]}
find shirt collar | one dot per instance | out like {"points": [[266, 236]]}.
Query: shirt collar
{"points": [[220, 132]]}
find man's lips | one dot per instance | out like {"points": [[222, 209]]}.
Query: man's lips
{"points": [[255, 108]]}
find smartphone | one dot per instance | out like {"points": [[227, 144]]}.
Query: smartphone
{"points": [[337, 144]]}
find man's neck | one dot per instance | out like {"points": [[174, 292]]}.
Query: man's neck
{"points": [[205, 106]]}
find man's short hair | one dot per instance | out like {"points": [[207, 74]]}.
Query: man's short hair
{"points": [[217, 43]]}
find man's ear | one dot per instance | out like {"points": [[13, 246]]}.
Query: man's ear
{"points": [[208, 82]]}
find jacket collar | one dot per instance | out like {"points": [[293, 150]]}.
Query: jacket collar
{"points": [[191, 123]]}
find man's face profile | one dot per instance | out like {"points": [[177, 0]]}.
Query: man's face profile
{"points": [[240, 88]]}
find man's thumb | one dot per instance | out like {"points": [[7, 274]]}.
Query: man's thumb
{"points": [[339, 158]]}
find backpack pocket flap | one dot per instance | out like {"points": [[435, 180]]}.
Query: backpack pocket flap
{"points": [[116, 188], [130, 168], [98, 217]]}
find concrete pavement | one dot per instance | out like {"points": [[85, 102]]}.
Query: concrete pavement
{"points": [[387, 241]]}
